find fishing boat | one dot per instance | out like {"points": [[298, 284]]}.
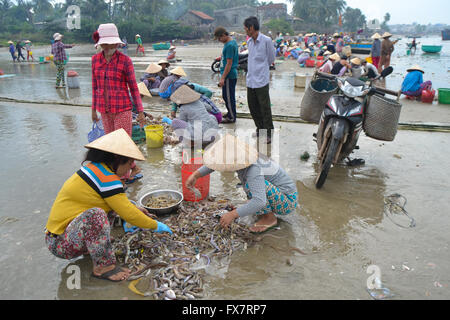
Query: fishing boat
{"points": [[431, 49], [161, 46], [446, 34], [361, 47]]}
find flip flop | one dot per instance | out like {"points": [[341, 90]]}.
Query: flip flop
{"points": [[107, 274], [262, 225], [136, 177]]}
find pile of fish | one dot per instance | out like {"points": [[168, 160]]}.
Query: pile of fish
{"points": [[167, 262]]}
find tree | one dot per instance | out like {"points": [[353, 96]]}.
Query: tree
{"points": [[353, 19], [320, 14], [384, 25], [279, 25]]}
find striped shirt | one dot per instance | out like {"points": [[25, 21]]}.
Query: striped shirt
{"points": [[94, 186]]}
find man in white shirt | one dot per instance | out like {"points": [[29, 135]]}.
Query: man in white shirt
{"points": [[371, 71], [261, 54]]}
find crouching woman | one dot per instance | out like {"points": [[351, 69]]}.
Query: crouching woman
{"points": [[81, 218], [270, 190]]}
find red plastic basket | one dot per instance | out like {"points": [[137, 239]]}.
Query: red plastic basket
{"points": [[310, 63], [319, 64], [202, 183], [428, 96], [319, 58]]}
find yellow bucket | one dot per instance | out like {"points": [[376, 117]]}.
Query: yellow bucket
{"points": [[154, 134], [369, 59]]}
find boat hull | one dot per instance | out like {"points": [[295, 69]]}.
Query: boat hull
{"points": [[431, 49]]}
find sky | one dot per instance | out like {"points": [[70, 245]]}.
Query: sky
{"points": [[401, 11]]}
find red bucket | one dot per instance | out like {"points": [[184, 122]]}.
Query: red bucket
{"points": [[428, 96], [310, 63], [202, 183], [319, 58]]}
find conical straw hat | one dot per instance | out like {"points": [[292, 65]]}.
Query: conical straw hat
{"points": [[143, 89], [117, 142], [376, 36], [153, 68], [416, 67], [386, 35], [327, 53], [184, 95], [162, 61], [229, 154], [334, 57], [179, 72], [356, 61]]}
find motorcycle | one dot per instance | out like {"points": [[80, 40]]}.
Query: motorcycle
{"points": [[242, 62], [341, 123]]}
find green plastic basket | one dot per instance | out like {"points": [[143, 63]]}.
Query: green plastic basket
{"points": [[138, 134], [444, 95]]}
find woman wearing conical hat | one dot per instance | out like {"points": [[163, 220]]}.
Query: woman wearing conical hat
{"points": [[193, 124], [413, 84], [387, 48], [270, 190], [375, 51], [83, 213], [151, 77], [175, 74]]}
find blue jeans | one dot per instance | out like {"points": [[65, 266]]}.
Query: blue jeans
{"points": [[229, 96]]}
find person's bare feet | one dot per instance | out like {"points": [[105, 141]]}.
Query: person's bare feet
{"points": [[123, 275], [266, 221]]}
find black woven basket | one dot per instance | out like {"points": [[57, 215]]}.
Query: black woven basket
{"points": [[317, 94]]}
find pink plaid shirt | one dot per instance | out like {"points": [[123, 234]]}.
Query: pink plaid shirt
{"points": [[113, 82]]}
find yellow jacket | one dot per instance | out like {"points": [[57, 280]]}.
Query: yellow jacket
{"points": [[94, 186]]}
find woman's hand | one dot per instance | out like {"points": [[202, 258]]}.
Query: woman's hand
{"points": [[190, 182], [141, 118], [173, 114], [94, 116], [228, 218]]}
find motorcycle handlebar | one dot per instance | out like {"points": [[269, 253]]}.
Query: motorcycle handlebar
{"points": [[386, 91]]}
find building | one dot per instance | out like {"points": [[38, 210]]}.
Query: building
{"points": [[196, 18], [233, 18], [272, 11]]}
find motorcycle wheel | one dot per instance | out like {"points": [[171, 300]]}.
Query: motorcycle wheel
{"points": [[326, 164], [215, 67]]}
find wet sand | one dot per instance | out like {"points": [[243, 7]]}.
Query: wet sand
{"points": [[341, 227]]}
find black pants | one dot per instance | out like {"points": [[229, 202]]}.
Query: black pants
{"points": [[258, 100]]}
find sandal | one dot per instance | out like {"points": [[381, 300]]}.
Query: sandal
{"points": [[107, 274], [226, 120], [276, 225]]}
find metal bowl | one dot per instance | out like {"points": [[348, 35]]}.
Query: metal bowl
{"points": [[160, 211]]}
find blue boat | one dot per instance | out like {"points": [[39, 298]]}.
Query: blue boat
{"points": [[361, 47]]}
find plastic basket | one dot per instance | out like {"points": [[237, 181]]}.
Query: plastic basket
{"points": [[154, 134], [317, 94], [310, 63], [138, 134], [202, 183], [381, 118], [444, 95]]}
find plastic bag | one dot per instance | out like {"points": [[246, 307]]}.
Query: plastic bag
{"points": [[96, 132]]}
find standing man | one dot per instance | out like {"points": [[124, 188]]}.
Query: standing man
{"points": [[228, 71], [19, 48], [261, 55], [376, 50], [387, 47]]}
